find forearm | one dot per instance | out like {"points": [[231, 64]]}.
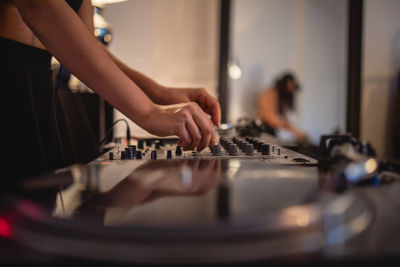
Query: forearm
{"points": [[150, 87], [276, 122], [67, 38]]}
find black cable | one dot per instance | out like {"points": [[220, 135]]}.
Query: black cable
{"points": [[128, 132]]}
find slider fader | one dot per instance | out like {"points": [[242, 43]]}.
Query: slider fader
{"points": [[264, 148]]}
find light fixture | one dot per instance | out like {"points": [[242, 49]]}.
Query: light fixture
{"points": [[102, 29], [104, 2], [234, 70]]}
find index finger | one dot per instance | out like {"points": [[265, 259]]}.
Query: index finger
{"points": [[214, 110]]}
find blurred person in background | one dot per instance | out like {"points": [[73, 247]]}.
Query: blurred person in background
{"points": [[275, 104]]}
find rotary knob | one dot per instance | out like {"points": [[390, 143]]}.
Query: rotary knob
{"points": [[133, 150], [233, 150], [138, 154], [249, 150], [178, 151], [243, 146], [153, 154], [149, 142], [140, 144], [265, 149], [169, 154], [258, 146], [216, 150], [157, 145], [128, 152]]}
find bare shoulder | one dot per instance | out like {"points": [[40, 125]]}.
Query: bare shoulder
{"points": [[269, 93]]}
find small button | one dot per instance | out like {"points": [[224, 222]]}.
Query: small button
{"points": [[279, 151], [111, 156], [138, 154]]}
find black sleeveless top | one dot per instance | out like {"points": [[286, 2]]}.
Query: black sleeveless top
{"points": [[74, 4], [36, 131]]}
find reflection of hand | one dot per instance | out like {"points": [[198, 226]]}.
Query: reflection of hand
{"points": [[155, 179], [199, 95], [187, 120], [171, 175]]}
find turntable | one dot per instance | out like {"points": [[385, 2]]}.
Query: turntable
{"points": [[203, 209]]}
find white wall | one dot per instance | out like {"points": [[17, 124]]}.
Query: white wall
{"points": [[306, 36], [381, 59], [174, 42]]}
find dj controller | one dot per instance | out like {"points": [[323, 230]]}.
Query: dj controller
{"points": [[264, 148], [246, 200]]}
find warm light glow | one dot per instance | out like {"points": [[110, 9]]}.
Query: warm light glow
{"points": [[300, 215], [234, 71], [107, 38], [371, 165], [224, 126], [104, 2]]}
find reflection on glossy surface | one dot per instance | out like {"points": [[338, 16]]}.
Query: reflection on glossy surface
{"points": [[188, 209], [189, 193]]}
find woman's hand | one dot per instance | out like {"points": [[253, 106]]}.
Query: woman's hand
{"points": [[186, 120], [300, 136], [169, 96]]}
